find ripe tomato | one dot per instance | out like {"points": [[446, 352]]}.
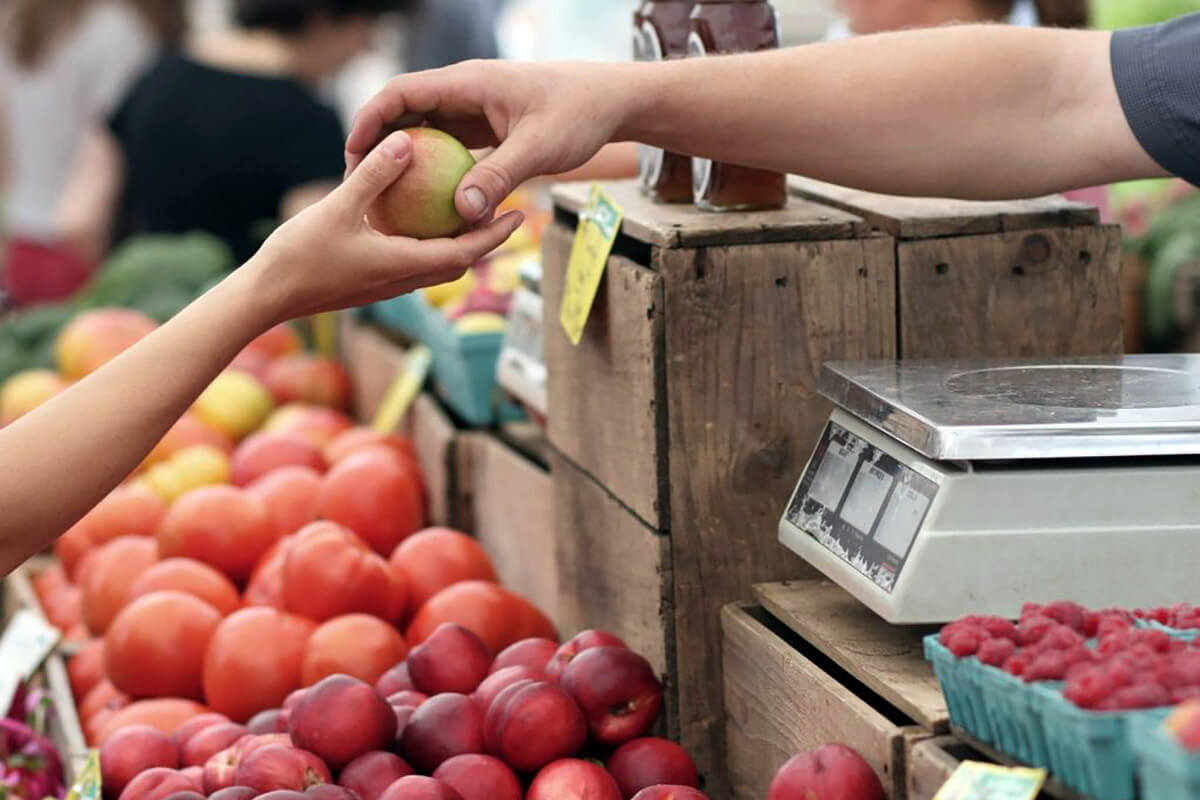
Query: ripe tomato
{"points": [[494, 614], [223, 526], [318, 424], [436, 558], [328, 571], [376, 494], [279, 341], [265, 587], [129, 510], [253, 661], [357, 438], [358, 645], [190, 577], [155, 645], [189, 431], [86, 669], [263, 453], [72, 546], [102, 697], [109, 575], [164, 713], [290, 495], [305, 378]]}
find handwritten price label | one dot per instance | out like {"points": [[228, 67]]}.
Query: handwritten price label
{"points": [[974, 780], [599, 224]]}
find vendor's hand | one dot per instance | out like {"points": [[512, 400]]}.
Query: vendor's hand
{"points": [[327, 257], [544, 119]]}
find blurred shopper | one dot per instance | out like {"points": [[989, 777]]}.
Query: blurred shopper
{"points": [[862, 17], [63, 65], [445, 32], [227, 135]]}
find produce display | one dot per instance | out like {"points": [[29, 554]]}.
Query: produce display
{"points": [[1072, 689], [30, 764]]}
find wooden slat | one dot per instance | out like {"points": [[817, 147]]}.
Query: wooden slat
{"points": [[433, 436], [887, 658], [1050, 292], [779, 703], [747, 331], [373, 361], [512, 501], [613, 571], [64, 730], [930, 764], [1053, 789], [923, 217], [605, 396], [686, 226]]}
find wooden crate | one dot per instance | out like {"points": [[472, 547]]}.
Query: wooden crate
{"points": [[691, 405]]}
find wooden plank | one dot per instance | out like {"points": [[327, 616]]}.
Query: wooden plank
{"points": [[686, 226], [614, 572], [925, 217], [64, 728], [930, 764], [1053, 789], [887, 658], [1051, 292], [780, 703], [433, 436], [373, 361], [605, 396], [748, 329], [512, 500]]}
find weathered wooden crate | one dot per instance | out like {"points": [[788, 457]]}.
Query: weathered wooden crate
{"points": [[685, 415], [807, 666]]}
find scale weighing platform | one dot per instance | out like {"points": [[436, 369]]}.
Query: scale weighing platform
{"points": [[939, 489]]}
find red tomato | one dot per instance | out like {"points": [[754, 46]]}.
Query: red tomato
{"points": [[253, 661], [494, 614], [358, 645], [223, 526], [439, 557], [376, 494], [155, 645]]}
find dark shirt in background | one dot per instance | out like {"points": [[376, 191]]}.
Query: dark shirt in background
{"points": [[445, 32]]}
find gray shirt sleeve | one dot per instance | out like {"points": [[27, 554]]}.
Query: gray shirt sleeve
{"points": [[1157, 72]]}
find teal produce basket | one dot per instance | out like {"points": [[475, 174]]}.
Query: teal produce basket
{"points": [[1166, 771], [464, 364], [961, 680], [1016, 711]]}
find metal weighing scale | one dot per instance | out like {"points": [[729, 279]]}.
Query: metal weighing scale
{"points": [[943, 489]]}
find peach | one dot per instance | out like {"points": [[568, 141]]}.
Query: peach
{"points": [[453, 659], [273, 720], [329, 791], [442, 727], [158, 783], [651, 762], [195, 773], [206, 743], [290, 495], [263, 453], [318, 424], [418, 787], [394, 680], [341, 718], [585, 640], [188, 795], [131, 751], [572, 779], [479, 777], [403, 715], [371, 773], [233, 793], [831, 772], [25, 391], [94, 338], [220, 770], [285, 794], [670, 792], [280, 767], [532, 723], [420, 204], [497, 682], [533, 653], [191, 727], [617, 691], [304, 378], [407, 697]]}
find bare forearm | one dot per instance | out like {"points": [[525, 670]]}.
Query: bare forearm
{"points": [[977, 112], [64, 457]]}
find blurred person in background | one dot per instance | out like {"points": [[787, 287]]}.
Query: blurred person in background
{"points": [[445, 32], [864, 17], [226, 135], [63, 65]]}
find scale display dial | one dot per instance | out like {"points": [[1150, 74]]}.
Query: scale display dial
{"points": [[861, 504]]}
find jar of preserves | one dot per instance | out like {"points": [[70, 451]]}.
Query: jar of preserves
{"points": [[661, 29]]}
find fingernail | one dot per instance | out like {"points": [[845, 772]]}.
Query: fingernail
{"points": [[476, 202], [398, 147]]}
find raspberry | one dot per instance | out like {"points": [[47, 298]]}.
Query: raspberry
{"points": [[1067, 613], [1159, 641], [996, 651], [966, 640], [1183, 669], [1031, 610], [949, 630], [1182, 694], [1119, 673], [1032, 629], [1088, 688], [1017, 664], [1140, 695], [999, 628], [1050, 665], [1161, 615], [1080, 654], [1060, 637], [1096, 622], [1111, 625]]}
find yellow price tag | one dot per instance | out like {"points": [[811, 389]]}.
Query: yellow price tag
{"points": [[87, 780], [325, 332], [404, 389], [599, 224], [974, 780]]}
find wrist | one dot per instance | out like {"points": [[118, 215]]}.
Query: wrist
{"points": [[639, 90], [252, 296]]}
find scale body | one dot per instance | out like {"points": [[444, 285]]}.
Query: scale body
{"points": [[521, 368], [943, 489]]}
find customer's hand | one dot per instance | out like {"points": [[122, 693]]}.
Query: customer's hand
{"points": [[327, 256], [544, 119]]}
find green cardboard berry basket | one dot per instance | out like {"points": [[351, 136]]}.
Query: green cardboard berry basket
{"points": [[961, 680], [1091, 751], [1166, 771], [1016, 712]]}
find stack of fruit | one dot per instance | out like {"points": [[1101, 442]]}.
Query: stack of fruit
{"points": [[448, 722]]}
